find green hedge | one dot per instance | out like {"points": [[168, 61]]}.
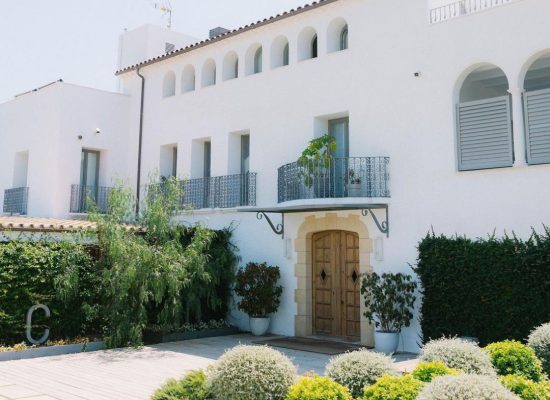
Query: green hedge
{"points": [[492, 289], [31, 273]]}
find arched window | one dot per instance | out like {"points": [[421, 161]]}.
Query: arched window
{"points": [[484, 120], [188, 79], [307, 44], [258, 61], [169, 84], [337, 35], [279, 52], [536, 103], [230, 66], [209, 73], [344, 38]]}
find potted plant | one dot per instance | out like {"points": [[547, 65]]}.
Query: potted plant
{"points": [[315, 163], [389, 302], [256, 284], [354, 184]]}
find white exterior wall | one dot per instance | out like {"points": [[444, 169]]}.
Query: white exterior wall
{"points": [[392, 113], [46, 124]]}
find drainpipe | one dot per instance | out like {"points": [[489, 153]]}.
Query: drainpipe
{"points": [[140, 140]]}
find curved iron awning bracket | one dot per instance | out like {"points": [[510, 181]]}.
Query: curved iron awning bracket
{"points": [[383, 226], [279, 229]]}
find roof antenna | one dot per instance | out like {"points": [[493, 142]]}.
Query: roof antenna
{"points": [[166, 7]]}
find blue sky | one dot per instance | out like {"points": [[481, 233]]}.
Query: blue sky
{"points": [[77, 40]]}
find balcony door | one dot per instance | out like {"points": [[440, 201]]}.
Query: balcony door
{"points": [[89, 176], [339, 130], [245, 168], [207, 172]]}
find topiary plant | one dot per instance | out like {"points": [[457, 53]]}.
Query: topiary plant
{"points": [[465, 387], [511, 357], [251, 373], [460, 354], [539, 341], [358, 369], [318, 388], [394, 388], [191, 387], [257, 286], [525, 388], [427, 371]]}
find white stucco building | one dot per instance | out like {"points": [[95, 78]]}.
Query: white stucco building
{"points": [[441, 114]]}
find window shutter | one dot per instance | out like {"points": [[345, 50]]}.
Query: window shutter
{"points": [[485, 134], [537, 126]]}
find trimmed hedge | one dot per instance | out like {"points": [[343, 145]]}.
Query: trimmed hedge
{"points": [[492, 289]]}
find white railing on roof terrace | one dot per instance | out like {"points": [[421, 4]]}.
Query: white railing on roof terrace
{"points": [[463, 7]]}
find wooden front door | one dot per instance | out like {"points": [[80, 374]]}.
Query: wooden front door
{"points": [[336, 284]]}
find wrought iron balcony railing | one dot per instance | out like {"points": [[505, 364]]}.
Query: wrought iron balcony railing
{"points": [[335, 178], [215, 192], [83, 198], [463, 7], [16, 200]]}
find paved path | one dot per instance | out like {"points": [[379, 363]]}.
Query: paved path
{"points": [[126, 374]]}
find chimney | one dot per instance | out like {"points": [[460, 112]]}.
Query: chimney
{"points": [[217, 32]]}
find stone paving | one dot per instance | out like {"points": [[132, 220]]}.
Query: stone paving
{"points": [[129, 374]]}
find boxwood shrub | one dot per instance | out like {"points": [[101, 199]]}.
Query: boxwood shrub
{"points": [[427, 371], [318, 388], [513, 358], [525, 388], [191, 387], [493, 289], [394, 388]]}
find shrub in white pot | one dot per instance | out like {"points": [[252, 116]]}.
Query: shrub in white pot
{"points": [[389, 304], [256, 284]]}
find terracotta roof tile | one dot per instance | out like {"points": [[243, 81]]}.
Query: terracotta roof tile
{"points": [[227, 35]]}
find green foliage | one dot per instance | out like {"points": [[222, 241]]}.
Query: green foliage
{"points": [[394, 388], [539, 341], [318, 388], [191, 387], [389, 300], [316, 158], [61, 275], [525, 388], [358, 369], [427, 371], [514, 358], [492, 289], [458, 354], [251, 373], [465, 387], [256, 284]]}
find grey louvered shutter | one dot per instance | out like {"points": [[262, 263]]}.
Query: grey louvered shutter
{"points": [[537, 126], [485, 134]]}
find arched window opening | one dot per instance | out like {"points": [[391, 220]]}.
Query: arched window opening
{"points": [[307, 44], [188, 79], [209, 73], [344, 38], [484, 120], [536, 106], [286, 54], [231, 66], [279, 52], [314, 47], [337, 35], [258, 61], [254, 59], [169, 84]]}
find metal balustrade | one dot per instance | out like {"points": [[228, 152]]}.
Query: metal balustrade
{"points": [[215, 192], [335, 178], [16, 200], [84, 198], [463, 7]]}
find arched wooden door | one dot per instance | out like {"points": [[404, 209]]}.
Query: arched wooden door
{"points": [[336, 284]]}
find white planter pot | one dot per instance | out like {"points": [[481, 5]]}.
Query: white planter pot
{"points": [[354, 190], [259, 326], [386, 342]]}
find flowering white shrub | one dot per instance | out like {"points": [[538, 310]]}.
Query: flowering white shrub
{"points": [[465, 387], [459, 354], [251, 373], [358, 369], [539, 341]]}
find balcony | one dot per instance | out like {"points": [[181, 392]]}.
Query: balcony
{"points": [[83, 198], [363, 177], [16, 200], [463, 7]]}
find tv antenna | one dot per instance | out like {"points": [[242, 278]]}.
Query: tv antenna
{"points": [[166, 7]]}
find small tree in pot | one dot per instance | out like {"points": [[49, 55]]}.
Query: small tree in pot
{"points": [[389, 302], [256, 284]]}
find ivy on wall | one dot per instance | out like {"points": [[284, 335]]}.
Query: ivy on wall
{"points": [[492, 289]]}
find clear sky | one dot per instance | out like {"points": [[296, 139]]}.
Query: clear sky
{"points": [[77, 40]]}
